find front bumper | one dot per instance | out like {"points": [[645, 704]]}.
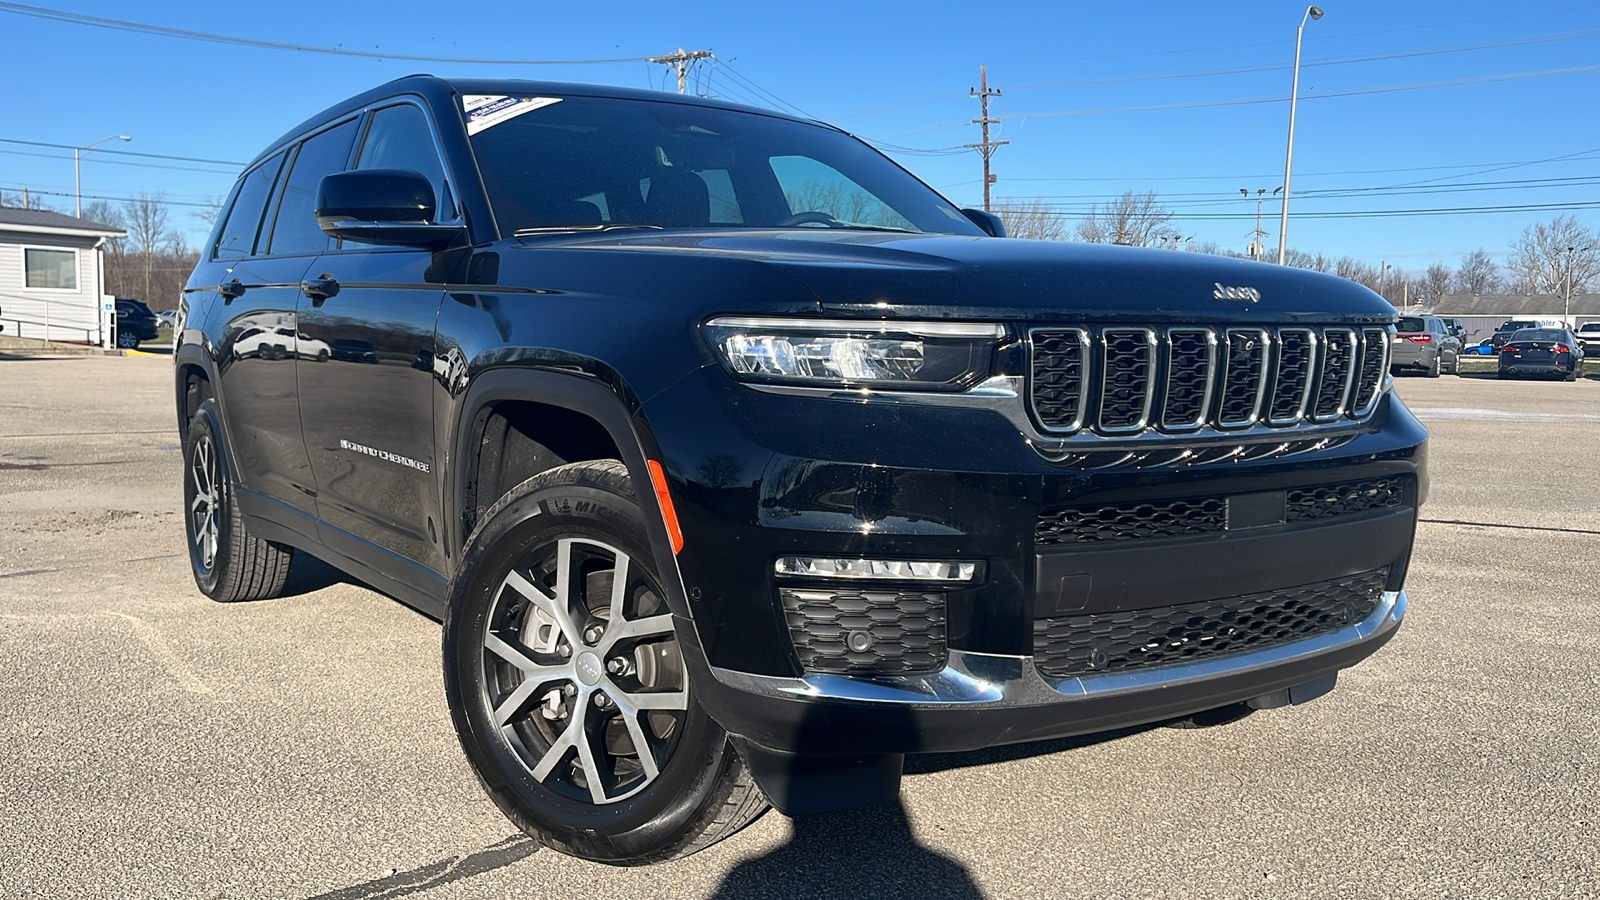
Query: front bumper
{"points": [[983, 700]]}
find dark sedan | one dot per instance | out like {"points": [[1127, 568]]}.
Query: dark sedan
{"points": [[1542, 351]]}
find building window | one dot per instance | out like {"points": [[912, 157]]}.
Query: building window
{"points": [[51, 270]]}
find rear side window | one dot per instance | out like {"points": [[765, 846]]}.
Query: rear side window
{"points": [[295, 230], [238, 237]]}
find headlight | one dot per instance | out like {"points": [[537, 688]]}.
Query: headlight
{"points": [[876, 353]]}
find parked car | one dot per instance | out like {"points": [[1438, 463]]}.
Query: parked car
{"points": [[1542, 351], [1455, 326], [1511, 326], [1588, 334], [1425, 344], [1484, 347], [136, 322], [739, 463], [168, 318]]}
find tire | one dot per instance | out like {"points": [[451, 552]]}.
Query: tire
{"points": [[127, 340], [1571, 376], [521, 621], [229, 563], [1455, 365], [1435, 366]]}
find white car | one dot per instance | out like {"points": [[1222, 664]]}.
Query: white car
{"points": [[1589, 335]]}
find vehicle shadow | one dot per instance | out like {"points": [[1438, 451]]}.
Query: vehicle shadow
{"points": [[308, 574], [874, 852]]}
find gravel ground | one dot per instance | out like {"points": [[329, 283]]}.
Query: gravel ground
{"points": [[155, 744]]}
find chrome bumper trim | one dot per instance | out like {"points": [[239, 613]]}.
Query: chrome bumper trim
{"points": [[984, 679]]}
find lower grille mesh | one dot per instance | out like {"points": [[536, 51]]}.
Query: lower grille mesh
{"points": [[1168, 635], [866, 632]]}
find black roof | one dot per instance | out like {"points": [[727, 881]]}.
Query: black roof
{"points": [[441, 91], [43, 218]]}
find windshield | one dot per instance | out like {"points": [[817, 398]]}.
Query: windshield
{"points": [[565, 163], [1409, 324]]}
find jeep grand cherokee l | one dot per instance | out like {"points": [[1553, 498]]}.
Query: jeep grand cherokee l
{"points": [[738, 463]]}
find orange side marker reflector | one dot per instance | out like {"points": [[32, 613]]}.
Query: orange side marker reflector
{"points": [[664, 500]]}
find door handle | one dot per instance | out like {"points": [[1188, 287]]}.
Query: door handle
{"points": [[320, 288], [231, 290]]}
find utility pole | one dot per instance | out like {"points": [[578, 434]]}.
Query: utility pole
{"points": [[680, 62], [1256, 248], [986, 147], [1566, 288]]}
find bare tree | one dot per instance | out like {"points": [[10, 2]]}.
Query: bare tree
{"points": [[1548, 254], [21, 200], [846, 204], [1133, 219], [212, 209], [148, 234], [1477, 274], [1032, 219], [1436, 281]]}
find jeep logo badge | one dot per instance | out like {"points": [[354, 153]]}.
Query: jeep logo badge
{"points": [[1236, 293]]}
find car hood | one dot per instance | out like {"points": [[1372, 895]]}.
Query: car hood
{"points": [[947, 276]]}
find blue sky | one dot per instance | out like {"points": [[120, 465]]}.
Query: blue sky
{"points": [[1515, 93]]}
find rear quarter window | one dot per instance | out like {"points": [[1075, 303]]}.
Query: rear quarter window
{"points": [[238, 236]]}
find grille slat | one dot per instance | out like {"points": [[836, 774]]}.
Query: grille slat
{"points": [[1171, 635], [1191, 356], [1123, 381], [1127, 379]]}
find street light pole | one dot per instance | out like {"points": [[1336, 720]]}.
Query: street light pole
{"points": [[1566, 292], [1314, 12], [77, 188]]}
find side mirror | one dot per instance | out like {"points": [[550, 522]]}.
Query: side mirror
{"points": [[988, 221], [382, 206]]}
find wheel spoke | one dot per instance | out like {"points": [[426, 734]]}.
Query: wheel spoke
{"points": [[586, 758], [518, 700], [510, 653], [641, 745], [555, 607], [637, 628], [619, 586], [672, 701], [558, 748]]}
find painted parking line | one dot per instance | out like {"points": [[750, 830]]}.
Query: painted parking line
{"points": [[1471, 412]]}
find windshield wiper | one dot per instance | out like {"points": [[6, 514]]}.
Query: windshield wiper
{"points": [[570, 229]]}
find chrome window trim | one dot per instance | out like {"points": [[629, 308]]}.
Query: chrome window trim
{"points": [[1210, 380], [1084, 348], [1265, 340], [1150, 347], [996, 681], [1315, 341], [1349, 378]]}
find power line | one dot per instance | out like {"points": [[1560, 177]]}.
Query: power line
{"points": [[160, 200], [761, 91], [1246, 101], [114, 152], [681, 62], [122, 162], [72, 18], [1374, 213]]}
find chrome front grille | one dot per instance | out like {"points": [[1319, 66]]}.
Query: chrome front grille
{"points": [[1122, 381]]}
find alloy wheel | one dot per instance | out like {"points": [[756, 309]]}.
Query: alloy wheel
{"points": [[205, 510], [583, 675]]}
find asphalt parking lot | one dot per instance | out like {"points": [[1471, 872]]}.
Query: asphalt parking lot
{"points": [[156, 744]]}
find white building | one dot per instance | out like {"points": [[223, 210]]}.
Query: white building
{"points": [[52, 275]]}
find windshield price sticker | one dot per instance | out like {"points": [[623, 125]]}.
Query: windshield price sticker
{"points": [[484, 111]]}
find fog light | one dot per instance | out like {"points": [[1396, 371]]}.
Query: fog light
{"points": [[877, 569]]}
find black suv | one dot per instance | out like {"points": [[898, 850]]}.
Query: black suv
{"points": [[136, 322], [738, 463]]}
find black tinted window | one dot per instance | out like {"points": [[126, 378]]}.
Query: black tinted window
{"points": [[295, 230], [238, 237], [582, 162], [401, 138], [1539, 334], [1410, 324]]}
